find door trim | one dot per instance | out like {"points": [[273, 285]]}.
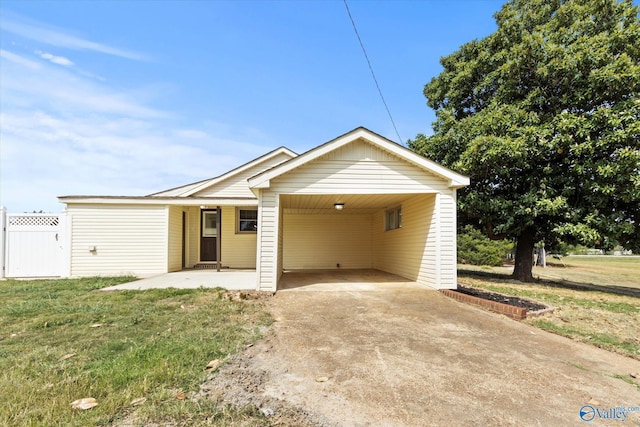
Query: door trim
{"points": [[218, 236]]}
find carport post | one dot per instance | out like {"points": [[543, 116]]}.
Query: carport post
{"points": [[219, 230]]}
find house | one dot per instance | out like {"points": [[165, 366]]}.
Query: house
{"points": [[357, 201]]}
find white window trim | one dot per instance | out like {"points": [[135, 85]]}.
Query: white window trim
{"points": [[245, 208], [397, 218]]}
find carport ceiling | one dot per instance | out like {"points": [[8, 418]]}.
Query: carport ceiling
{"points": [[353, 203]]}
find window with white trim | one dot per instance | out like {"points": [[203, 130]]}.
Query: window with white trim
{"points": [[393, 219], [246, 220]]}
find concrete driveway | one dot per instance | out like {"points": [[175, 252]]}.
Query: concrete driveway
{"points": [[393, 353]]}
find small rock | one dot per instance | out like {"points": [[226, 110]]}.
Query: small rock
{"points": [[96, 325], [213, 365], [138, 401], [593, 402], [84, 403], [635, 375], [66, 356], [322, 379], [268, 412]]}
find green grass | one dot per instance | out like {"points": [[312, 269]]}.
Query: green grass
{"points": [[602, 270], [603, 340], [150, 344]]}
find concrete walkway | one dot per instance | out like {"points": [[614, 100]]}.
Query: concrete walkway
{"points": [[192, 279]]}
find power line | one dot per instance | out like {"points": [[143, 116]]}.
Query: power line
{"points": [[372, 73]]}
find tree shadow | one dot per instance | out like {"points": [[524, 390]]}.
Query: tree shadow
{"points": [[617, 290]]}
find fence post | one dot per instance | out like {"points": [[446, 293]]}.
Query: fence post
{"points": [[65, 221], [3, 238]]}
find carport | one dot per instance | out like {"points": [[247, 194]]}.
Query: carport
{"points": [[360, 201], [386, 232]]}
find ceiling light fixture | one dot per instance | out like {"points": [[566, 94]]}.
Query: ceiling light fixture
{"points": [[338, 206]]}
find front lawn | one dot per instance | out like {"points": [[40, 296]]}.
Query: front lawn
{"points": [[140, 354], [600, 270]]}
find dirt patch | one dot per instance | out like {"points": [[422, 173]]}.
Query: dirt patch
{"points": [[247, 295], [398, 354], [242, 383], [504, 299]]}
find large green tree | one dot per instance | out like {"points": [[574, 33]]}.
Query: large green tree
{"points": [[544, 116]]}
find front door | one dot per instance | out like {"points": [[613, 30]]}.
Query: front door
{"points": [[209, 235]]}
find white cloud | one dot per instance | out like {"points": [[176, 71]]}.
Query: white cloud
{"points": [[66, 134], [56, 88], [33, 30], [17, 59], [60, 60]]}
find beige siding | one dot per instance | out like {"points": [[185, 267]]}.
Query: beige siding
{"points": [[237, 186], [238, 249], [193, 236], [268, 225], [448, 229], [408, 251], [360, 150], [357, 177], [323, 241], [280, 254], [129, 239], [175, 239]]}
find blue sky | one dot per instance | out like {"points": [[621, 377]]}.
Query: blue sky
{"points": [[134, 97]]}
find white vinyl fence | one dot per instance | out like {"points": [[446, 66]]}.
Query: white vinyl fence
{"points": [[33, 245]]}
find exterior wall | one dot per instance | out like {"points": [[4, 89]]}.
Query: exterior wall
{"points": [[424, 248], [238, 249], [410, 251], [193, 236], [236, 186], [448, 228], [129, 239], [322, 241], [280, 254], [174, 250], [366, 170], [268, 232]]}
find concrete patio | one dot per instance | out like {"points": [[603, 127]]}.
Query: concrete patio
{"points": [[192, 279]]}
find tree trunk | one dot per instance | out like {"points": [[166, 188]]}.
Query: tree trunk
{"points": [[524, 255]]}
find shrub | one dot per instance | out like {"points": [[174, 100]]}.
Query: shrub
{"points": [[477, 249]]}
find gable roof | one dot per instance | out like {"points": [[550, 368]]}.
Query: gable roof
{"points": [[193, 188], [455, 180]]}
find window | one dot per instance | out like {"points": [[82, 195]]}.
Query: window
{"points": [[247, 220], [393, 219], [209, 223]]}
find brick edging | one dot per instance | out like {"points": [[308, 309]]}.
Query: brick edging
{"points": [[517, 313]]}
